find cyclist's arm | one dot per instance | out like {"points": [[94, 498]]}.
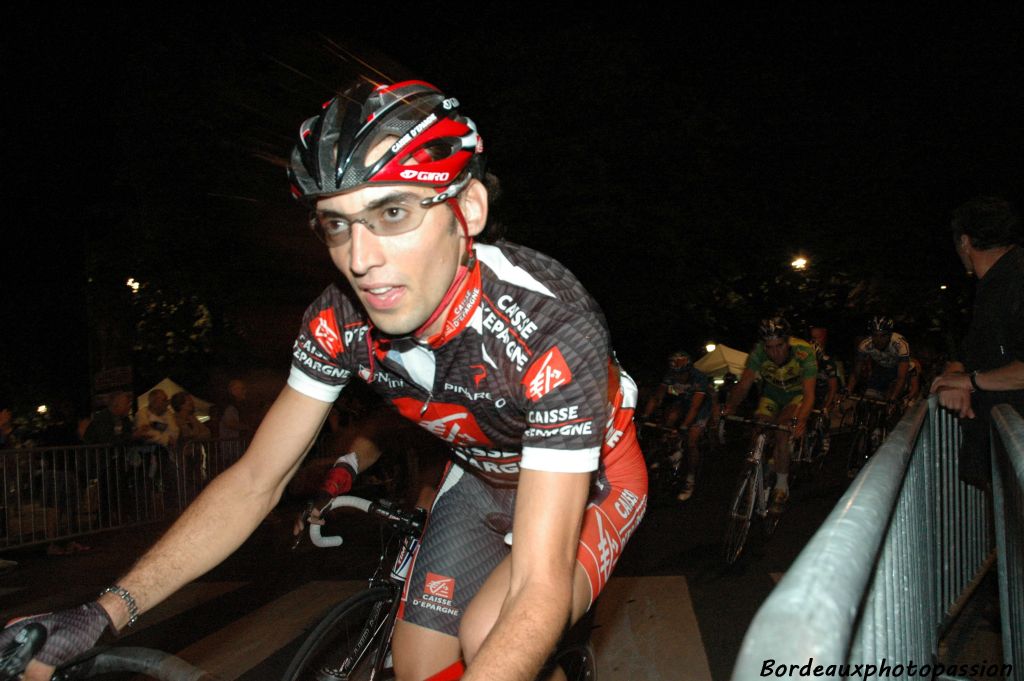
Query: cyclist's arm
{"points": [[654, 400], [806, 404], [833, 390], [739, 393], [229, 509], [859, 366], [901, 378], [548, 517], [695, 402]]}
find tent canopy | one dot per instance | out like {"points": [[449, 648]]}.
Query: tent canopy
{"points": [[722, 360]]}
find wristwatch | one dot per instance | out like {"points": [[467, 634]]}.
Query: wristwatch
{"points": [[974, 382]]}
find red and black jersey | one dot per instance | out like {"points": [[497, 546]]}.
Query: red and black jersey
{"points": [[522, 374]]}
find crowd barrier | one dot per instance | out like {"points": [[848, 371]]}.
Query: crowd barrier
{"points": [[876, 587], [54, 493]]}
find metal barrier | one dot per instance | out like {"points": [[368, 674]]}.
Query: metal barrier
{"points": [[56, 493], [872, 591], [1008, 491]]}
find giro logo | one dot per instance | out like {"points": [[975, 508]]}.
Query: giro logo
{"points": [[546, 374], [424, 175], [439, 586], [324, 328], [450, 103]]}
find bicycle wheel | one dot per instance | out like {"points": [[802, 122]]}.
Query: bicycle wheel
{"points": [[577, 662], [350, 642], [858, 453], [740, 513]]}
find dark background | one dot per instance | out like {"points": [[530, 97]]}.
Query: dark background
{"points": [[675, 162]]}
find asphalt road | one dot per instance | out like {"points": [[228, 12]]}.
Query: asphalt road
{"points": [[265, 578]]}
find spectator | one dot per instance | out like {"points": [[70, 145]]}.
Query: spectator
{"points": [[111, 425], [154, 423], [190, 428], [990, 368], [234, 422], [6, 427]]}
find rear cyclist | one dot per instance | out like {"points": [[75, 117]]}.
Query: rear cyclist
{"points": [[883, 360], [684, 393], [787, 368]]}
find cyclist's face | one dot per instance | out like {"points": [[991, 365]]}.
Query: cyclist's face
{"points": [[778, 350], [400, 280], [880, 340]]}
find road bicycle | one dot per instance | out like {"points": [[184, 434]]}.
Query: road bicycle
{"points": [[753, 488], [667, 454], [870, 428], [352, 642], [815, 445]]}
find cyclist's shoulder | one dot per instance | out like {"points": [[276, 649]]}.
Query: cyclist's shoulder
{"points": [[532, 276], [899, 345], [801, 348]]}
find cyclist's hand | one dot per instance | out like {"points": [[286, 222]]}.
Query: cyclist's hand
{"points": [[69, 633], [312, 514]]}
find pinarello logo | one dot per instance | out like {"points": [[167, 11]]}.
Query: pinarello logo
{"points": [[424, 175], [324, 328], [450, 422], [479, 375], [439, 586], [546, 374]]}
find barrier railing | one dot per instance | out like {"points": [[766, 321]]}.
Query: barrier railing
{"points": [[1008, 492], [53, 493], [872, 591]]}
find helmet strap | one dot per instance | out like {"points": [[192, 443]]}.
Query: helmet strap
{"points": [[460, 274]]}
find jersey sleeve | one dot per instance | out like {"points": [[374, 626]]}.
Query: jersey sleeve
{"points": [[901, 348], [756, 358], [318, 356], [807, 360], [565, 395]]}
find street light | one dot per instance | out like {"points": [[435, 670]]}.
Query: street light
{"points": [[42, 409], [132, 284], [710, 347], [943, 287], [799, 263]]}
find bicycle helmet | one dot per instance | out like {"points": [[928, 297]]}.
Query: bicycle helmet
{"points": [[880, 325], [435, 146], [776, 327]]}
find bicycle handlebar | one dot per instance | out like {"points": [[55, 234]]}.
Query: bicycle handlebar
{"points": [[408, 521], [869, 400], [755, 423]]}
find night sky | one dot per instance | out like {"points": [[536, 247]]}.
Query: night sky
{"points": [[663, 158]]}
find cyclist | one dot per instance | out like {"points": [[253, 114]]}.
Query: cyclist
{"points": [[495, 348], [788, 371], [683, 390], [884, 359], [826, 386]]}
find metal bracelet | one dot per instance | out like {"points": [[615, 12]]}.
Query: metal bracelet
{"points": [[129, 602]]}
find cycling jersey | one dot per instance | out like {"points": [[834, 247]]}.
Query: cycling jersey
{"points": [[789, 377], [683, 384], [521, 376], [885, 362]]}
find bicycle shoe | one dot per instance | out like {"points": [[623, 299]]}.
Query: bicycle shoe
{"points": [[687, 490], [779, 499]]}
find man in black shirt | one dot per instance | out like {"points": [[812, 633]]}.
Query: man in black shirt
{"points": [[991, 371]]}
